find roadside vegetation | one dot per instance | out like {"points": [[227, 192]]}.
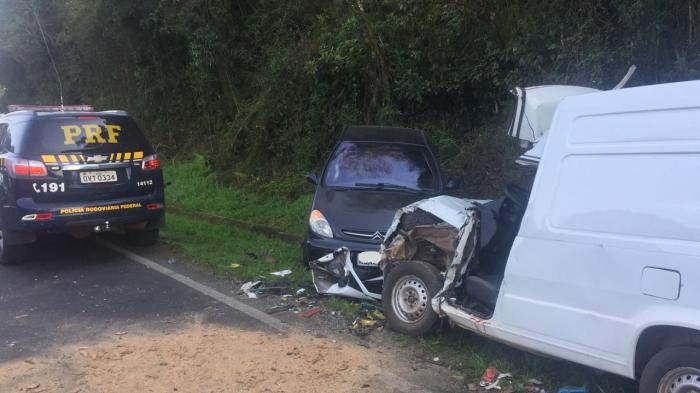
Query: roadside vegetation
{"points": [[263, 87]]}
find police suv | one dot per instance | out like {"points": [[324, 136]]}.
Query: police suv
{"points": [[76, 171]]}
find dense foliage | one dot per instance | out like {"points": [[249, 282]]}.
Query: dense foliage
{"points": [[263, 86]]}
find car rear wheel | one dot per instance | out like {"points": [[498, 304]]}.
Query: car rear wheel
{"points": [[11, 253], [145, 237], [408, 289], [672, 370]]}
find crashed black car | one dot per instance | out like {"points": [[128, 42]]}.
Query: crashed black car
{"points": [[371, 172], [76, 171]]}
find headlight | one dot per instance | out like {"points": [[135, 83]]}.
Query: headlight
{"points": [[319, 225]]}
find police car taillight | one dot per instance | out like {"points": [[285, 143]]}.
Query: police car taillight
{"points": [[38, 217], [22, 167], [150, 162]]}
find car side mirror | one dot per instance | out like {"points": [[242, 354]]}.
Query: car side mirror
{"points": [[451, 184], [311, 178]]}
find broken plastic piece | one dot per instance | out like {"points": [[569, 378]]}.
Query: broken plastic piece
{"points": [[282, 273], [248, 286], [310, 313], [488, 376], [334, 274]]}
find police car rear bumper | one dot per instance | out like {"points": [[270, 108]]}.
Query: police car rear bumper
{"points": [[29, 217]]}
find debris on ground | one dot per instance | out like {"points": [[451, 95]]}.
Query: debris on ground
{"points": [[368, 319], [282, 273], [568, 389], [493, 380], [310, 313], [248, 287], [234, 265], [279, 308], [300, 291], [171, 261]]}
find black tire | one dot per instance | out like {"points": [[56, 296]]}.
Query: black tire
{"points": [[144, 237], [11, 254], [411, 278], [675, 367]]}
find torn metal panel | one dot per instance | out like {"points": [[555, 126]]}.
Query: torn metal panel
{"points": [[440, 228], [450, 244], [335, 274]]}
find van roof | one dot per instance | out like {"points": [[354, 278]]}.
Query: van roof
{"points": [[368, 133]]}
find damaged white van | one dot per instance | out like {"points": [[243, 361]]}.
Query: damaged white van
{"points": [[599, 263]]}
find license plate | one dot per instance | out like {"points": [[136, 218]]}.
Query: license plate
{"points": [[98, 177]]}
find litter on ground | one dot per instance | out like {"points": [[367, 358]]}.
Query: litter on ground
{"points": [[311, 312], [282, 273], [247, 288]]}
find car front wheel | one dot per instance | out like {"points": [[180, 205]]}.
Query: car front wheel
{"points": [[408, 290], [672, 370]]}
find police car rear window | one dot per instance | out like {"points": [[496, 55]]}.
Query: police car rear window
{"points": [[103, 134]]}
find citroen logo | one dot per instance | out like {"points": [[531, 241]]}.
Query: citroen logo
{"points": [[378, 236]]}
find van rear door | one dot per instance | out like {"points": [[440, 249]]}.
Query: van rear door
{"points": [[89, 156]]}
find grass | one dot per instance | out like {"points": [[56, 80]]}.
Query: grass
{"points": [[345, 307], [224, 247], [194, 187]]}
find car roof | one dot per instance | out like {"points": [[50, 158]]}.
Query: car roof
{"points": [[48, 114], [368, 133]]}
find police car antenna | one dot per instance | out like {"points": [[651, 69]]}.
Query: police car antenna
{"points": [[53, 63]]}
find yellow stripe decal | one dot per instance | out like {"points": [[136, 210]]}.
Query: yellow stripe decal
{"points": [[138, 155], [127, 156], [74, 158], [48, 159], [111, 157], [82, 158], [63, 159], [119, 157]]}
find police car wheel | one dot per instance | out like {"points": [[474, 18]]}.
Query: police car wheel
{"points": [[145, 237], [11, 253]]}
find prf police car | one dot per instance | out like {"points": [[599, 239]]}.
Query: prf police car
{"points": [[75, 171]]}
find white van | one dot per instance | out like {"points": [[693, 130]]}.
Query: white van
{"points": [[599, 263]]}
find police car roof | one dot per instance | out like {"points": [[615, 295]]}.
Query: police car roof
{"points": [[44, 113], [384, 134]]}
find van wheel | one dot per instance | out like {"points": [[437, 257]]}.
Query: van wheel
{"points": [[11, 254], [144, 237], [672, 370], [408, 289]]}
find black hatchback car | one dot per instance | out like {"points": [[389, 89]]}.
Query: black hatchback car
{"points": [[372, 172], [75, 172]]}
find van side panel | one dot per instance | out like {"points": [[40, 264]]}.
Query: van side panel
{"points": [[616, 200]]}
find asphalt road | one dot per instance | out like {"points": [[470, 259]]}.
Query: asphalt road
{"points": [[76, 291]]}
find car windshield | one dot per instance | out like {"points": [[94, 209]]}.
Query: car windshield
{"points": [[380, 165]]}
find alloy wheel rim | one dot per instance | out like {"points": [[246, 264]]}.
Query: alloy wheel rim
{"points": [[410, 299], [680, 380]]}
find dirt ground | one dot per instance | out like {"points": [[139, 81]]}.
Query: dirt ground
{"points": [[205, 359]]}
